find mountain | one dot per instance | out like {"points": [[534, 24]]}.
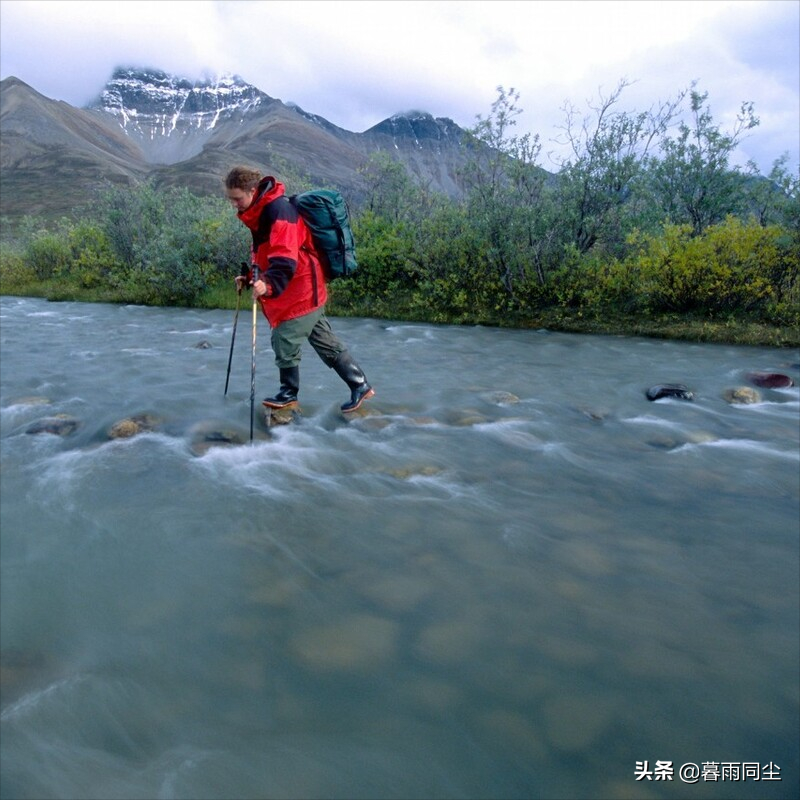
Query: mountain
{"points": [[54, 156], [147, 124], [171, 118]]}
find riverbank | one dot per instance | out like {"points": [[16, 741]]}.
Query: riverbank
{"points": [[678, 327]]}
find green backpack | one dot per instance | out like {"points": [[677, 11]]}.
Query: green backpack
{"points": [[325, 213]]}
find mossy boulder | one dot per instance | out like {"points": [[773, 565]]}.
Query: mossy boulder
{"points": [[742, 395], [131, 426]]}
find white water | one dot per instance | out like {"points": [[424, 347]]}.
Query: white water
{"points": [[461, 595]]}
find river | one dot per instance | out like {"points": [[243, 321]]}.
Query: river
{"points": [[512, 576]]}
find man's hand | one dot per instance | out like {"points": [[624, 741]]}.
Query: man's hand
{"points": [[259, 289]]}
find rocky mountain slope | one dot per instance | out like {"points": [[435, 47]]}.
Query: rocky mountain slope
{"points": [[148, 124], [53, 156]]}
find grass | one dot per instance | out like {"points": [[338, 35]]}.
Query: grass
{"points": [[679, 327], [730, 330]]}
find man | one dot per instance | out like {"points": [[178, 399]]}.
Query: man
{"points": [[290, 286]]}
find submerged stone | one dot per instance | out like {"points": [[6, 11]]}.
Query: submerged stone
{"points": [[58, 425], [31, 401], [368, 418], [500, 398], [595, 415], [449, 641], [465, 418], [358, 642], [397, 593], [21, 669], [574, 722], [516, 729], [433, 694], [406, 473], [205, 436]]}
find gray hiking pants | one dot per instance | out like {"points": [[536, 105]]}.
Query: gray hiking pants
{"points": [[288, 338]]}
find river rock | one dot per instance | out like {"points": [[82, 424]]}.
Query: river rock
{"points": [[31, 401], [361, 412], [516, 729], [500, 398], [432, 694], [281, 416], [204, 345], [701, 437], [742, 395], [59, 425], [205, 436], [370, 419], [406, 473], [130, 426], [358, 642], [594, 414], [658, 661], [277, 592], [449, 642], [21, 660], [574, 722], [676, 390], [465, 418], [770, 380], [398, 593], [20, 670]]}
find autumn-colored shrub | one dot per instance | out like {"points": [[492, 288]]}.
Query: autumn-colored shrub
{"points": [[734, 266]]}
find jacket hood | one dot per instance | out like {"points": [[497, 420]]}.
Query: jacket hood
{"points": [[268, 189]]}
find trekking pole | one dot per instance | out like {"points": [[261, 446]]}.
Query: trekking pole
{"points": [[253, 360], [233, 338]]}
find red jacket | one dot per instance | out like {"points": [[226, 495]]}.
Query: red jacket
{"points": [[284, 253]]}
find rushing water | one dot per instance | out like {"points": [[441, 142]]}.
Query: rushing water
{"points": [[515, 577]]}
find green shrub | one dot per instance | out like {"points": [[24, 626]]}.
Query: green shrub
{"points": [[15, 272], [48, 255], [384, 250], [732, 266], [92, 259]]}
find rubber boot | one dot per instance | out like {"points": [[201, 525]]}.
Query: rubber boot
{"points": [[354, 377], [287, 394]]}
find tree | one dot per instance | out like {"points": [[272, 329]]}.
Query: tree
{"points": [[508, 200], [388, 187], [776, 197], [599, 186], [693, 182]]}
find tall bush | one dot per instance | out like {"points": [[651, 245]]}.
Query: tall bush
{"points": [[730, 268]]}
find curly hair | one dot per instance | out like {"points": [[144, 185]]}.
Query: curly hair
{"points": [[244, 178]]}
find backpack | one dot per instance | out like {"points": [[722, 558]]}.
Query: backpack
{"points": [[325, 213]]}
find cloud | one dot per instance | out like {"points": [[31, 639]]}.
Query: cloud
{"points": [[356, 63], [726, 55]]}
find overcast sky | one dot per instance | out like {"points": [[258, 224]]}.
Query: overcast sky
{"points": [[357, 63]]}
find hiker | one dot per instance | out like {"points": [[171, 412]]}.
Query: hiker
{"points": [[289, 286]]}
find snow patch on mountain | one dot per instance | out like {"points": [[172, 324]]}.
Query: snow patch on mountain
{"points": [[152, 106]]}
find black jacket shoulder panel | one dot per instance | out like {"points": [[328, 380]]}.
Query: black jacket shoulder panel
{"points": [[279, 209]]}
